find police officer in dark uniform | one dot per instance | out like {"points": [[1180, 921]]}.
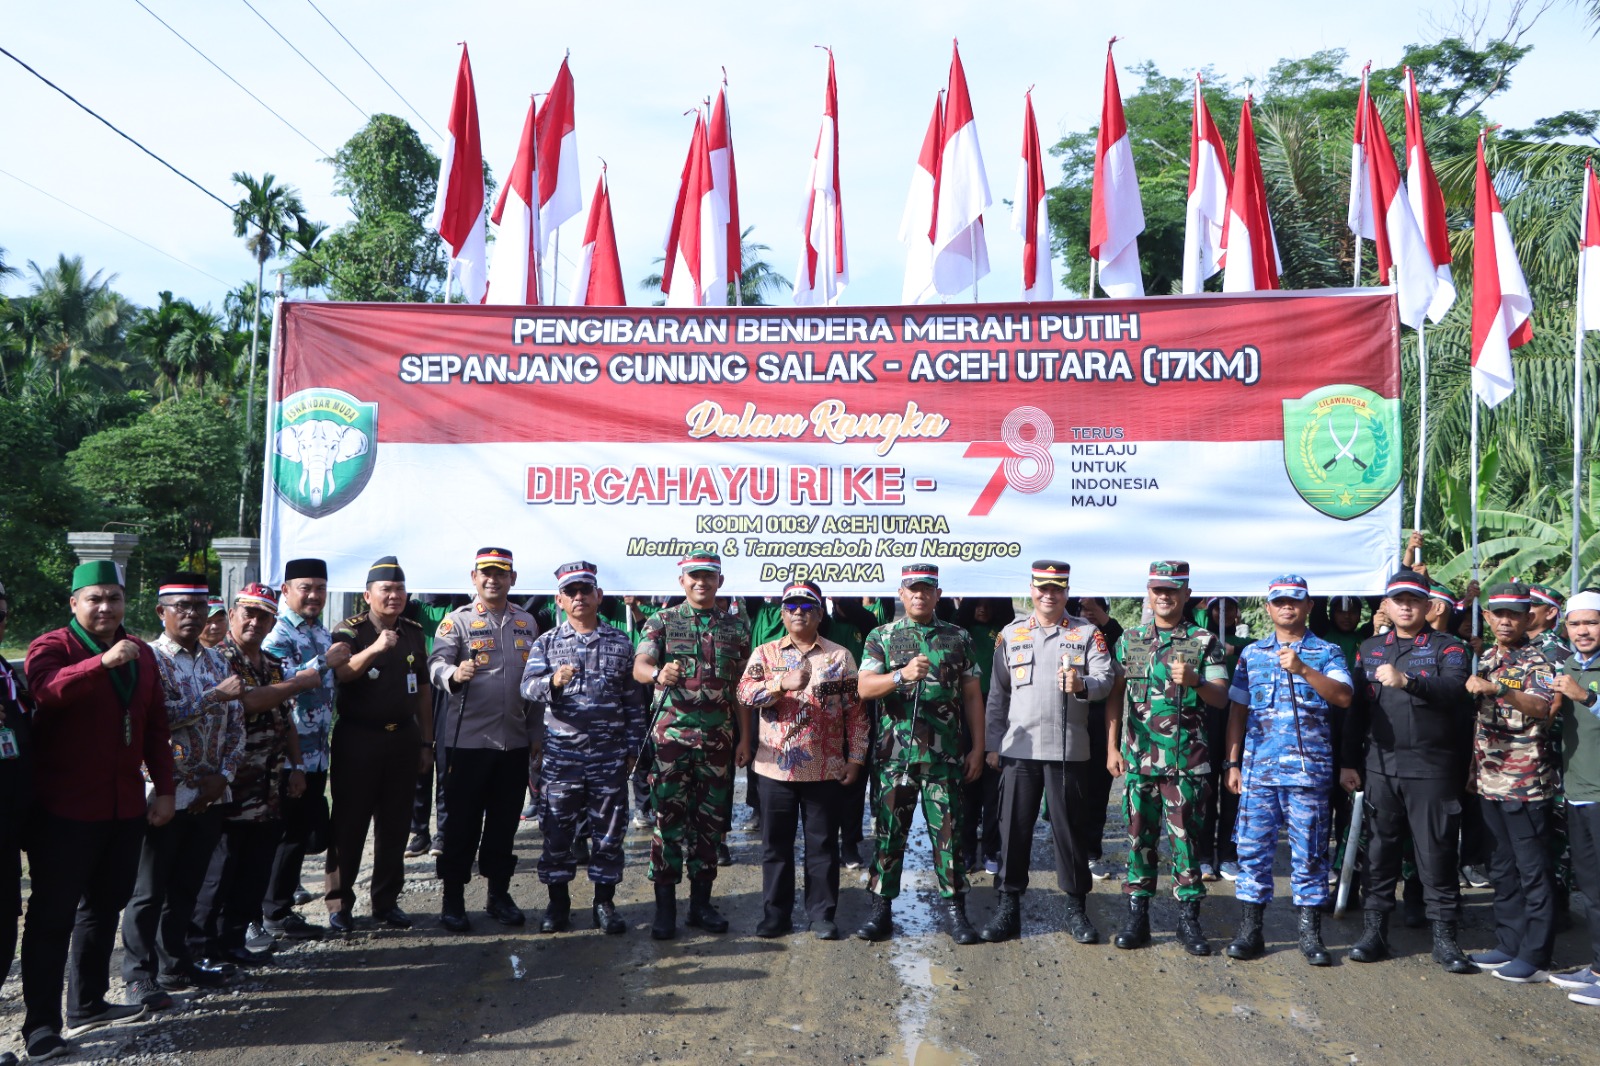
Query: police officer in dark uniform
{"points": [[384, 712], [1404, 733]]}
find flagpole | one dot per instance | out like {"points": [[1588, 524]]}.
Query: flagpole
{"points": [[1422, 428], [555, 265], [1477, 615], [1093, 275], [538, 252], [1355, 280], [1577, 424]]}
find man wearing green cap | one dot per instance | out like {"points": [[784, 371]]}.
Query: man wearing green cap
{"points": [[101, 716]]}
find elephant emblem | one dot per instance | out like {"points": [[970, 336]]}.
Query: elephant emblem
{"points": [[319, 445]]}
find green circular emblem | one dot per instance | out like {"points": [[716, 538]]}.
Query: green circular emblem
{"points": [[1341, 448]]}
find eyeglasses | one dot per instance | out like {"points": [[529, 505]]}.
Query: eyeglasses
{"points": [[579, 588], [800, 608]]}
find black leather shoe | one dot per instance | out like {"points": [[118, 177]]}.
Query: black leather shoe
{"points": [[1311, 945], [1374, 943], [724, 856], [455, 921], [394, 918], [557, 916], [341, 923], [241, 956], [1078, 923], [607, 920], [1006, 923], [771, 928], [503, 909], [823, 929], [961, 931], [880, 925], [1249, 943], [665, 927], [702, 914], [1136, 934]]}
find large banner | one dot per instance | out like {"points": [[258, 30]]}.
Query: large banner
{"points": [[1252, 436]]}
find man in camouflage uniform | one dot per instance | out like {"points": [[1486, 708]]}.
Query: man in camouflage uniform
{"points": [[1547, 633], [1156, 734], [693, 654], [1515, 771], [1281, 762], [582, 671], [924, 675], [1046, 670]]}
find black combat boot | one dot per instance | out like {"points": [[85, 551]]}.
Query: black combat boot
{"points": [[1136, 934], [606, 917], [1311, 945], [558, 915], [701, 913], [955, 912], [1248, 943], [453, 911], [665, 927], [1078, 923], [1374, 943], [1006, 922], [500, 905], [1190, 935], [880, 924], [1447, 953]]}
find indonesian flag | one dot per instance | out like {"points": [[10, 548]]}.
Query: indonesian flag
{"points": [[1207, 212], [560, 195], [1028, 215], [1359, 215], [1589, 252], [459, 208], [823, 272], [1116, 215], [1250, 261], [514, 275], [960, 253], [696, 243], [725, 186], [1403, 256], [1501, 304], [1427, 203], [916, 225], [599, 281]]}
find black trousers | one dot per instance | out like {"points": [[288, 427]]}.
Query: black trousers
{"points": [[484, 791], [811, 807], [230, 898], [301, 817], [430, 786], [982, 799], [1098, 795], [1524, 883], [10, 888], [172, 867], [82, 874], [1583, 834], [1428, 810], [1475, 842], [853, 807], [1221, 809], [1023, 783], [374, 773]]}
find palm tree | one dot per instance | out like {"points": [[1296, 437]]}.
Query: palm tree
{"points": [[79, 318], [307, 271], [150, 337], [756, 277], [202, 346]]}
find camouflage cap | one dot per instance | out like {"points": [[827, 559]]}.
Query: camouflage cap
{"points": [[1168, 574], [1507, 596], [1546, 596], [1287, 587], [576, 572], [701, 560], [919, 574]]}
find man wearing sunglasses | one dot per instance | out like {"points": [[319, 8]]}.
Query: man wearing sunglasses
{"points": [[582, 671]]}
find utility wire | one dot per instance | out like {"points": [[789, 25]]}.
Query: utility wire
{"points": [[361, 110], [437, 135], [230, 77], [109, 226]]}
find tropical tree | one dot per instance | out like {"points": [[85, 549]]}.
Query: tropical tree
{"points": [[79, 320], [756, 278], [150, 337]]}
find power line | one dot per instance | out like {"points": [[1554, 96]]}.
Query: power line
{"points": [[375, 70], [361, 110], [109, 226], [230, 77]]}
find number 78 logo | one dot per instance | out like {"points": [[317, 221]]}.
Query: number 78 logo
{"points": [[1025, 461]]}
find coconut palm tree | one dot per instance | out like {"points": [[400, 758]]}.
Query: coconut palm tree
{"points": [[202, 346], [79, 319], [756, 276], [150, 338]]}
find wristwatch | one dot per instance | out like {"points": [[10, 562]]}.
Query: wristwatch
{"points": [[898, 678], [655, 674], [1231, 765]]}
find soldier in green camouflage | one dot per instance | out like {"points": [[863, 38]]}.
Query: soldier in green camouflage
{"points": [[693, 654], [924, 674], [1156, 734]]}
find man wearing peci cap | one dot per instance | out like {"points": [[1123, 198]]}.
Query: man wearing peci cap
{"points": [[379, 746], [924, 674], [1515, 773], [477, 660], [1281, 765], [1578, 685], [693, 654], [1401, 745], [582, 673], [1046, 670], [1156, 734], [99, 716]]}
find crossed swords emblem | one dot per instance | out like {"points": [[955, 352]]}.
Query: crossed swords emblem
{"points": [[1344, 446]]}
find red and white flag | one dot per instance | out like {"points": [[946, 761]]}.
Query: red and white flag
{"points": [[725, 186], [560, 194], [514, 275], [960, 252], [1501, 304], [1250, 248], [1359, 215], [697, 242], [1427, 203], [599, 281], [1028, 214], [1116, 214], [916, 225], [459, 207], [1403, 256], [1589, 252], [1207, 211], [823, 271]]}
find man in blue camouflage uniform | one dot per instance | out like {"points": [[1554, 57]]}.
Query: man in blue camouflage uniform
{"points": [[582, 671], [1281, 764]]}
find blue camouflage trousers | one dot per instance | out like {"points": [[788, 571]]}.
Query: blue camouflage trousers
{"points": [[1263, 809], [581, 790]]}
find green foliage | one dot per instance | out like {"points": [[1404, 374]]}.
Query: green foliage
{"points": [[39, 506]]}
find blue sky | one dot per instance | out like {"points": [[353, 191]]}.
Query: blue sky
{"points": [[638, 67]]}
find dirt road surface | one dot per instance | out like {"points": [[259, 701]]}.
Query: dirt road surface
{"points": [[411, 997]]}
